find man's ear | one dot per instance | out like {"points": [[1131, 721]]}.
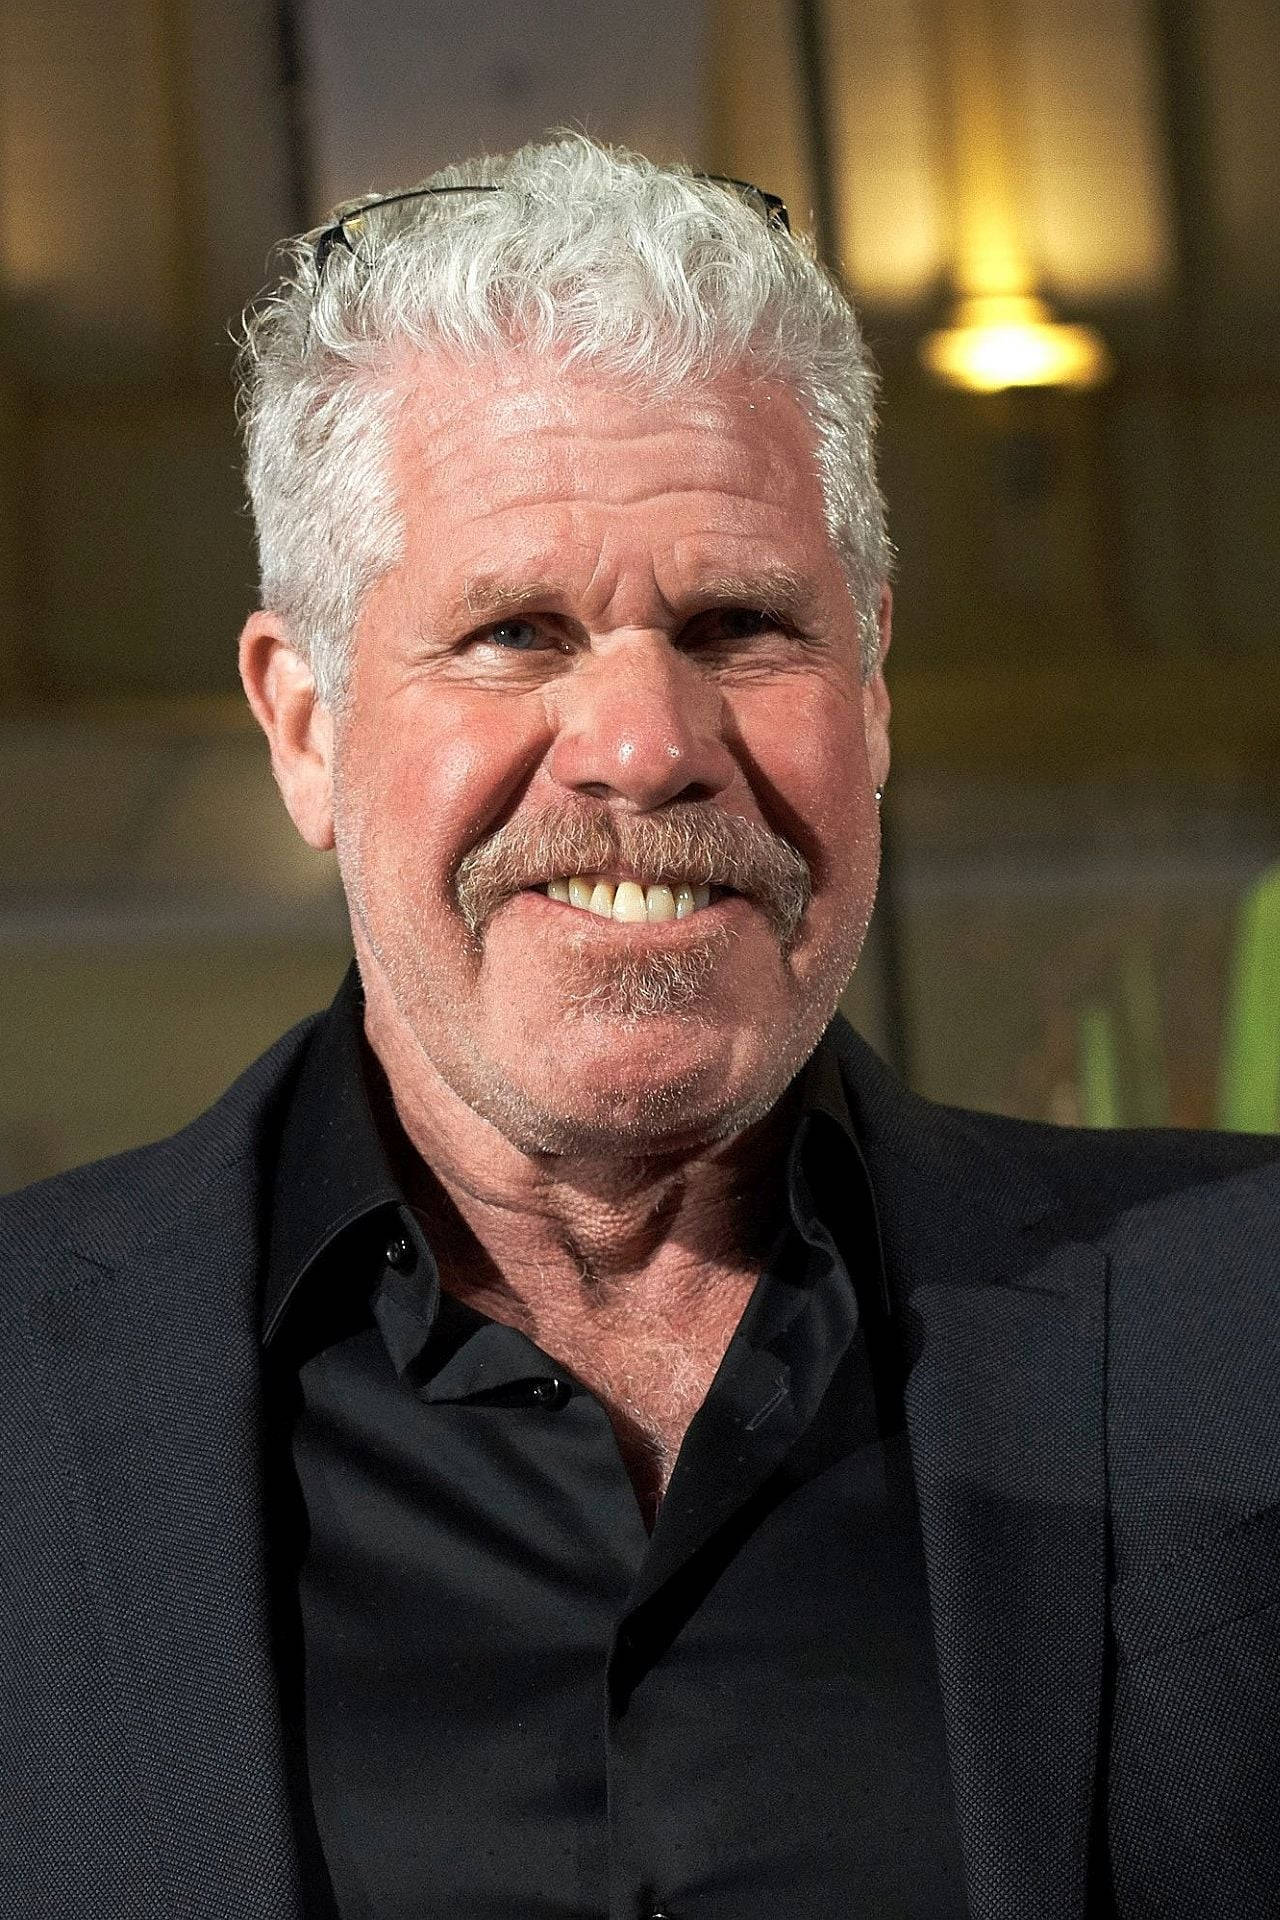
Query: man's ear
{"points": [[281, 689], [875, 698]]}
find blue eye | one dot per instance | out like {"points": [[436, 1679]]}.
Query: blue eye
{"points": [[517, 636]]}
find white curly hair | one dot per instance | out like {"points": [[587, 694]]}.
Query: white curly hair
{"points": [[653, 275]]}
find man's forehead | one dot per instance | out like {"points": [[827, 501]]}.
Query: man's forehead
{"points": [[526, 388], [714, 489], [495, 420]]}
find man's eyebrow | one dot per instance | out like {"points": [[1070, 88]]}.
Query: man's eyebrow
{"points": [[488, 596], [774, 590]]}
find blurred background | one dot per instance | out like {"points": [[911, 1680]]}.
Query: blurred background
{"points": [[1061, 220]]}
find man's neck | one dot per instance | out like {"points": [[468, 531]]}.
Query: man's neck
{"points": [[596, 1234], [632, 1270]]}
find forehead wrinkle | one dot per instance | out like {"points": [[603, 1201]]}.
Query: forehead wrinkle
{"points": [[495, 596]]}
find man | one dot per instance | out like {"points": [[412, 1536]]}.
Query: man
{"points": [[568, 1434]]}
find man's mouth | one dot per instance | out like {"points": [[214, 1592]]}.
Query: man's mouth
{"points": [[616, 899], [643, 869]]}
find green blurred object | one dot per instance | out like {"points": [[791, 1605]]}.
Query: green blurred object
{"points": [[1249, 1073], [1143, 1030], [1098, 1068], [1249, 1079]]}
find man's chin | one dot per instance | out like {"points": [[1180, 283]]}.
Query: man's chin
{"points": [[608, 1052], [619, 999], [657, 1087]]}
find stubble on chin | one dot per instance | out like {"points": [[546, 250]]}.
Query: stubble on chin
{"points": [[532, 1095], [526, 1095], [631, 988]]}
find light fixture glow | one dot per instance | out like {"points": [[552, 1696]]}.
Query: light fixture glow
{"points": [[1012, 340]]}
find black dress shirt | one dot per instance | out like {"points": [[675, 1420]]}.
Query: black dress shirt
{"points": [[506, 1700]]}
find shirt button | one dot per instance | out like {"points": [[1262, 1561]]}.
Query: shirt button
{"points": [[399, 1252], [549, 1393]]}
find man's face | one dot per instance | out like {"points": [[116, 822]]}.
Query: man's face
{"points": [[619, 632]]}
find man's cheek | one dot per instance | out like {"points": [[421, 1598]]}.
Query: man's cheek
{"points": [[406, 838]]}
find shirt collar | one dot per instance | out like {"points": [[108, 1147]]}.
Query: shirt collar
{"points": [[332, 1170], [334, 1173], [830, 1196]]}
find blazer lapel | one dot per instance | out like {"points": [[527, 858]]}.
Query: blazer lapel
{"points": [[1005, 1317], [151, 1373]]}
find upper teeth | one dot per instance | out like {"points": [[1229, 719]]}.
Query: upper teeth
{"points": [[628, 900]]}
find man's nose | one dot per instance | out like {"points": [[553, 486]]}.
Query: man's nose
{"points": [[642, 723]]}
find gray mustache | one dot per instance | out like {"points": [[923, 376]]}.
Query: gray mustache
{"points": [[692, 842]]}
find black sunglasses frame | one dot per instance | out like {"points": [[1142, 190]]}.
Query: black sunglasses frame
{"points": [[771, 209]]}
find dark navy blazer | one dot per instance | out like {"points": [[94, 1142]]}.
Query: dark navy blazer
{"points": [[1093, 1410]]}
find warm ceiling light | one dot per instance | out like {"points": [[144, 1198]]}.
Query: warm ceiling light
{"points": [[1012, 340]]}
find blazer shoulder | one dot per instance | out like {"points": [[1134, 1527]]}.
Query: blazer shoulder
{"points": [[101, 1210], [1096, 1174], [1123, 1169]]}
